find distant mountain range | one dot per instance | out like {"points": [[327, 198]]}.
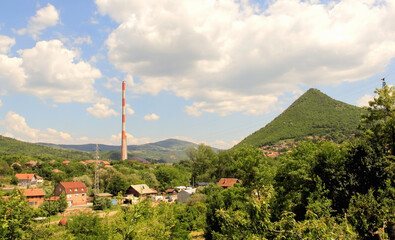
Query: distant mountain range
{"points": [[169, 150], [312, 114]]}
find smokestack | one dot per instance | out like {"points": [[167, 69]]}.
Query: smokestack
{"points": [[124, 145]]}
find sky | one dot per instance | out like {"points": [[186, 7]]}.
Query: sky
{"points": [[205, 71]]}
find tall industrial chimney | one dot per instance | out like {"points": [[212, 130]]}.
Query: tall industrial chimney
{"points": [[124, 145]]}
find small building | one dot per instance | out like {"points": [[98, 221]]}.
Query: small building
{"points": [[103, 195], [100, 162], [26, 179], [56, 170], [75, 192], [40, 180], [30, 164], [35, 196], [66, 162], [185, 194], [171, 191], [140, 190], [227, 182]]}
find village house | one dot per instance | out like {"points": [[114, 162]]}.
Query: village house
{"points": [[30, 164], [100, 162], [35, 196], [140, 190], [227, 182], [75, 192], [26, 179], [40, 180], [185, 194]]}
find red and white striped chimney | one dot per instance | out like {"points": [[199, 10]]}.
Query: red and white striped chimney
{"points": [[124, 145]]}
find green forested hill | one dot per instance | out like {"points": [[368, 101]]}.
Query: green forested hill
{"points": [[312, 114], [10, 146]]}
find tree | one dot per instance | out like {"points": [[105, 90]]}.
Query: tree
{"points": [[116, 184], [101, 203], [62, 202], [202, 158], [378, 123], [15, 216]]}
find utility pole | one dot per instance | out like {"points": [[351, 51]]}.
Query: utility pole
{"points": [[384, 83], [97, 170]]}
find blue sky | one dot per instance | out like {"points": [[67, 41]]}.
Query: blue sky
{"points": [[205, 71]]}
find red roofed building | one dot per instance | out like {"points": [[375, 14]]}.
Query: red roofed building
{"points": [[26, 179], [35, 196], [227, 182], [75, 192]]}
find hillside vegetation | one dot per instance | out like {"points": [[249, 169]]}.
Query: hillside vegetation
{"points": [[312, 114], [10, 146]]}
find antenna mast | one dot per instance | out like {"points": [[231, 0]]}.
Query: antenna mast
{"points": [[97, 170], [384, 83]]}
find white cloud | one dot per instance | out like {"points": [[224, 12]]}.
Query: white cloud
{"points": [[364, 100], [129, 110], [116, 139], [101, 109], [45, 17], [17, 126], [6, 43], [50, 70], [1, 103], [151, 117], [82, 40], [229, 56]]}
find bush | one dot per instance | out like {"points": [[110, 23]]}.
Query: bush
{"points": [[101, 203]]}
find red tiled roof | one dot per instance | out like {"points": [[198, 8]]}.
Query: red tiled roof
{"points": [[227, 182], [73, 186], [32, 192], [24, 176], [54, 198]]}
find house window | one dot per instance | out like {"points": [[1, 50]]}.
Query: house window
{"points": [[83, 194], [75, 189], [68, 195], [82, 189], [76, 194], [71, 190]]}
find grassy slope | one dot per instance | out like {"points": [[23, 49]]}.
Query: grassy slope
{"points": [[312, 114], [9, 146]]}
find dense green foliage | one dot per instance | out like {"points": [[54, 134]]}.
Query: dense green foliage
{"points": [[312, 114], [15, 147], [320, 190]]}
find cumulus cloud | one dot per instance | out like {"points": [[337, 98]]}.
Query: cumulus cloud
{"points": [[364, 100], [102, 109], [129, 110], [151, 117], [50, 70], [116, 139], [82, 40], [232, 56], [45, 17], [16, 126], [5, 44]]}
